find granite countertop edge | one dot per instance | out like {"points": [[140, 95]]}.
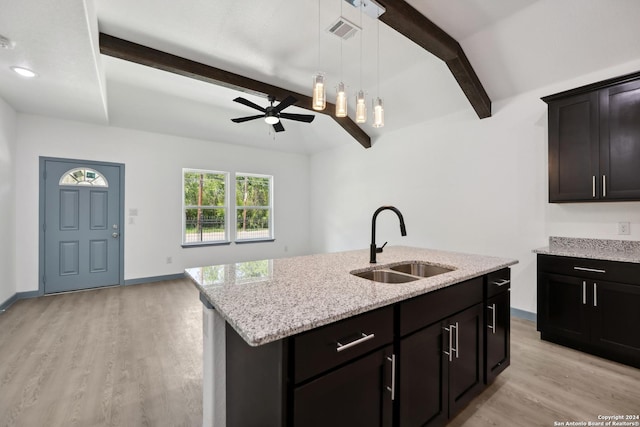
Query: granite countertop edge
{"points": [[597, 249], [277, 318]]}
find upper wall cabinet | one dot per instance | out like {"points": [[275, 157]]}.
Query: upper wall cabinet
{"points": [[594, 142]]}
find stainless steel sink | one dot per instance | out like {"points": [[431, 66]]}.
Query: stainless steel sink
{"points": [[402, 273], [420, 269], [385, 276]]}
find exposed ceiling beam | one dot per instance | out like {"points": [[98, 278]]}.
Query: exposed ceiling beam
{"points": [[133, 52], [406, 20]]}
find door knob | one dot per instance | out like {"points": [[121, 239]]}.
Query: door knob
{"points": [[115, 235]]}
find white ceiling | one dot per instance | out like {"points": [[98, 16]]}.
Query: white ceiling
{"points": [[514, 46]]}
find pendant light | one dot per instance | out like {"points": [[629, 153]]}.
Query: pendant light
{"points": [[361, 104], [319, 101], [378, 108], [341, 95]]}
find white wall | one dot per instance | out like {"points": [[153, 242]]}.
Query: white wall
{"points": [[462, 184], [7, 201], [153, 179]]}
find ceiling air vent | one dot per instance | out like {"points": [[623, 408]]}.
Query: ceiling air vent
{"points": [[6, 43], [343, 28]]}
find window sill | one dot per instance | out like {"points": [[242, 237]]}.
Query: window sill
{"points": [[242, 242], [199, 245]]}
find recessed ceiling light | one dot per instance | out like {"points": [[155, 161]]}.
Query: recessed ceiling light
{"points": [[24, 72]]}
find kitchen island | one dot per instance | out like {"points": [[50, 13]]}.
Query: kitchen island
{"points": [[265, 322]]}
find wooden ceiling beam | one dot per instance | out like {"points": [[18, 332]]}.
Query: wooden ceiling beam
{"points": [[133, 52], [406, 20]]}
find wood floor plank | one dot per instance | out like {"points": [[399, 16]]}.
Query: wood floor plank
{"points": [[132, 356]]}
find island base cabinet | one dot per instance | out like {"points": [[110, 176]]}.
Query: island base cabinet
{"points": [[358, 394], [441, 369]]}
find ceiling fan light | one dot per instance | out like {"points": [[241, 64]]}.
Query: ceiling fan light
{"points": [[319, 93], [341, 101], [271, 119], [378, 113], [361, 108]]}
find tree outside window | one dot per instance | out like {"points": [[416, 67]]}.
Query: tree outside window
{"points": [[205, 206], [254, 213]]}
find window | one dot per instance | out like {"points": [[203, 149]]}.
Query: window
{"points": [[205, 207], [84, 176], [254, 211]]}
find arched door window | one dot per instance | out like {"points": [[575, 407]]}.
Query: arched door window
{"points": [[85, 177]]}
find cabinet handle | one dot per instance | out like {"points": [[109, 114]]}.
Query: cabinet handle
{"points": [[450, 352], [595, 294], [501, 282], [592, 270], [365, 337], [456, 349], [584, 292], [604, 185], [593, 186], [492, 307], [392, 389]]}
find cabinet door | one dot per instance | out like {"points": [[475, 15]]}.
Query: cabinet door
{"points": [[615, 318], [562, 306], [620, 141], [422, 378], [466, 369], [573, 149], [498, 320], [358, 394]]}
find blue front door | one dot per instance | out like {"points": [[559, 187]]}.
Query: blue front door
{"points": [[82, 225]]}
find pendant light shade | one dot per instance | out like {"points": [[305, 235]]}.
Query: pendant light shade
{"points": [[361, 108], [378, 113], [319, 93], [341, 101]]}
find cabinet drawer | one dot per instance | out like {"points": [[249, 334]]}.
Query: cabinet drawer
{"points": [[324, 348], [592, 269], [498, 281], [432, 307]]}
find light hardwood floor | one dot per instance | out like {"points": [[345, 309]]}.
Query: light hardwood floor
{"points": [[132, 356]]}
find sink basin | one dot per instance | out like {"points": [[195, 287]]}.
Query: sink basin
{"points": [[420, 269], [385, 276]]}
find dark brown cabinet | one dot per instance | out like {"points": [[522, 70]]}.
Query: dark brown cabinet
{"points": [[441, 365], [594, 142], [586, 304], [498, 324], [358, 394]]}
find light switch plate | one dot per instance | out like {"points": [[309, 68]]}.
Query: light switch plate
{"points": [[624, 228]]}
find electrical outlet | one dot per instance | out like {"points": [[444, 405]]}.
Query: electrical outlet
{"points": [[624, 228], [169, 260]]}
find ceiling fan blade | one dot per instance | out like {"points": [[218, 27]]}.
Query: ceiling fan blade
{"points": [[289, 100], [246, 119], [278, 127], [249, 104], [307, 118]]}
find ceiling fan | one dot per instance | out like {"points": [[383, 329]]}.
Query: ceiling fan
{"points": [[272, 115]]}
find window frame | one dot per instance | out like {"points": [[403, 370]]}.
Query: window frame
{"points": [[225, 208], [270, 209]]}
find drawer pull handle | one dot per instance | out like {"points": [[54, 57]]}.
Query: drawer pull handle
{"points": [[365, 337], [592, 270], [450, 352], [595, 294], [584, 292], [501, 282]]}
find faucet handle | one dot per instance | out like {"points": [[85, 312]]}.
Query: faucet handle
{"points": [[378, 250]]}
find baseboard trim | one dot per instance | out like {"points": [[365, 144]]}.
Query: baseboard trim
{"points": [[17, 296], [142, 280], [522, 314]]}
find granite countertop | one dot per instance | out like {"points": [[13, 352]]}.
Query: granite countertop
{"points": [[268, 300], [602, 249]]}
